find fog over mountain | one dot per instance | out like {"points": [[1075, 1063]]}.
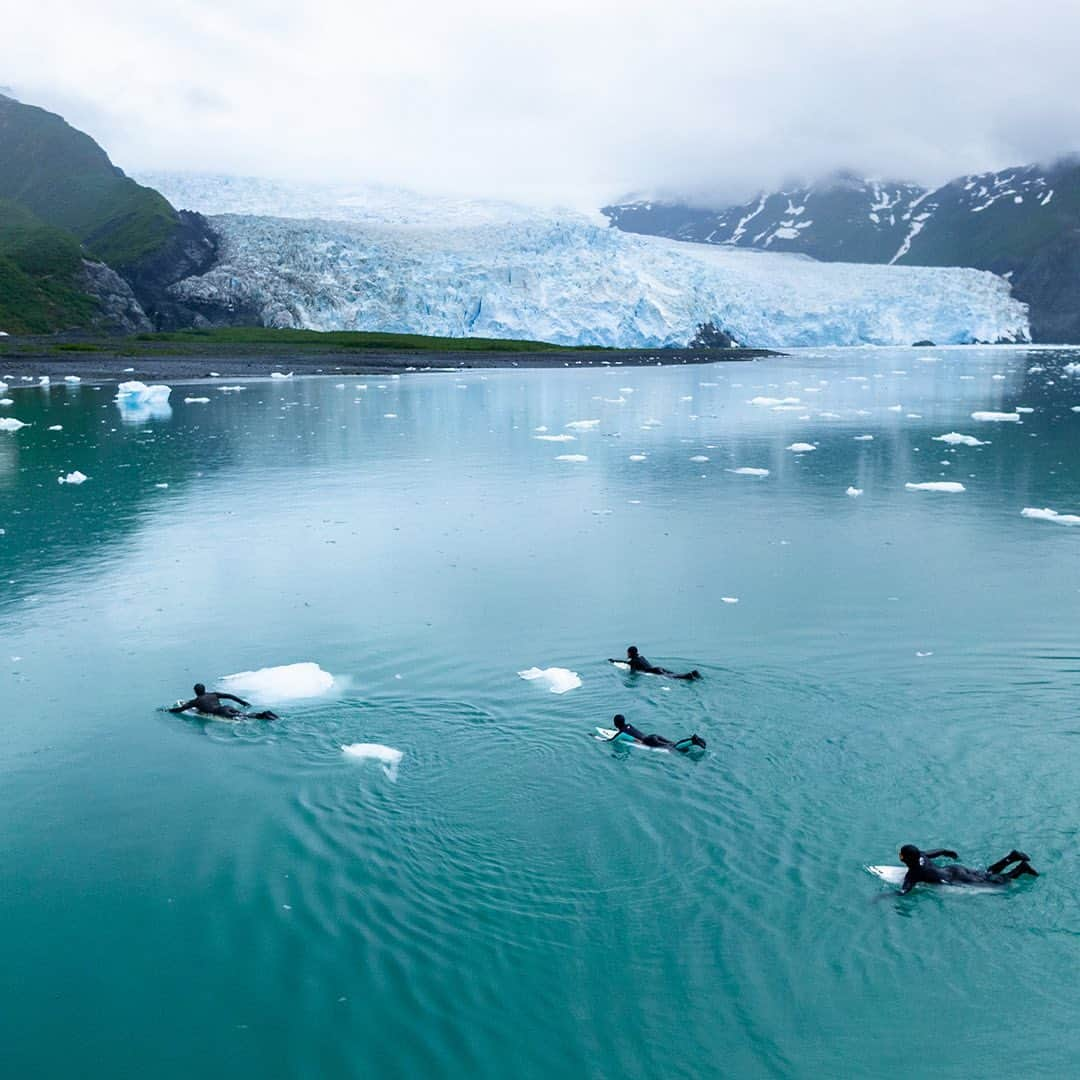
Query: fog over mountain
{"points": [[577, 102]]}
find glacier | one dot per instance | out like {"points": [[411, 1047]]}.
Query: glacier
{"points": [[325, 260]]}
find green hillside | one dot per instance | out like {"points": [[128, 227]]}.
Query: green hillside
{"points": [[39, 275], [64, 178]]}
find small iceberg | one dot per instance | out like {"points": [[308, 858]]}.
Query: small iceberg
{"points": [[196, 400], [9, 423], [950, 487], [280, 375], [769, 402], [699, 459], [582, 425], [854, 492], [730, 599], [747, 470], [863, 438], [136, 392], [56, 427], [557, 679], [572, 457], [386, 756], [801, 447], [954, 438], [75, 477], [996, 417], [1046, 514], [289, 682], [556, 438], [637, 457], [72, 379]]}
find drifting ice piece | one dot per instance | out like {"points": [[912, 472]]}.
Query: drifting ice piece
{"points": [[387, 756], [288, 682], [557, 679], [948, 486]]}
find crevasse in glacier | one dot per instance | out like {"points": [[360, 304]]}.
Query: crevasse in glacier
{"points": [[563, 278]]}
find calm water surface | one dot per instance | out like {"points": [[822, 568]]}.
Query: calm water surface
{"points": [[196, 899]]}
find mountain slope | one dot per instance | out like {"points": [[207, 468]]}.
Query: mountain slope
{"points": [[67, 183], [1023, 223]]}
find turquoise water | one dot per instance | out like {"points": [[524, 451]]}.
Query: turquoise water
{"points": [[183, 898]]}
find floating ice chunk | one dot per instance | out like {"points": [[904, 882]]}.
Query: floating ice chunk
{"points": [[801, 447], [768, 402], [863, 438], [44, 380], [557, 679], [747, 470], [162, 486], [895, 408], [572, 457], [730, 599], [75, 477], [9, 423], [1022, 409], [196, 400], [637, 457], [854, 492], [231, 389], [950, 487], [11, 401], [1036, 369], [1046, 514], [930, 653], [288, 682], [280, 375], [386, 756], [1071, 369], [998, 378], [3, 387], [630, 389], [556, 438], [542, 427], [954, 438], [138, 393], [390, 415], [582, 425], [1001, 417], [56, 427], [72, 379], [699, 458]]}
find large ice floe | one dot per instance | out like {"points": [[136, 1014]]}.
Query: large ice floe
{"points": [[323, 259], [138, 402], [289, 682], [557, 679]]}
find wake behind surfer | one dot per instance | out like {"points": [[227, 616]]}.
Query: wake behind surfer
{"points": [[922, 871], [210, 704], [638, 663], [684, 746]]}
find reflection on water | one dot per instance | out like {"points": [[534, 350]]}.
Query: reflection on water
{"points": [[899, 666]]}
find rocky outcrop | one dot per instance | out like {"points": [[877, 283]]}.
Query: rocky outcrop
{"points": [[121, 312]]}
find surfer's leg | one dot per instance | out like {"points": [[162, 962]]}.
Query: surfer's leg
{"points": [[266, 714], [1013, 856], [658, 741], [1023, 868]]}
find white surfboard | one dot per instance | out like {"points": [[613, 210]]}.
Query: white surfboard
{"points": [[608, 735], [894, 875]]}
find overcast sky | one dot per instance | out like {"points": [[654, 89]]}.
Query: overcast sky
{"points": [[573, 101]]}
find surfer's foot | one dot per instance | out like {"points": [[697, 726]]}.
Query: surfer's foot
{"points": [[1026, 868], [1017, 856], [695, 674]]}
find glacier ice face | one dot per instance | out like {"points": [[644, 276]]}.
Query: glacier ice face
{"points": [[558, 276]]}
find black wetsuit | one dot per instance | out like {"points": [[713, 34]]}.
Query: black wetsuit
{"points": [[210, 704], [683, 745], [640, 664], [926, 873]]}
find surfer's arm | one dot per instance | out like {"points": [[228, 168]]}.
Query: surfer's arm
{"points": [[183, 708], [238, 700], [939, 853], [910, 881]]}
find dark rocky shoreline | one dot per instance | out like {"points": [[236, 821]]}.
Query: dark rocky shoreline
{"points": [[29, 358]]}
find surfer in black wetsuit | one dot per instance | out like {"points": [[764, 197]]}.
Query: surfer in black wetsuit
{"points": [[684, 746], [921, 870], [211, 705], [638, 663]]}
